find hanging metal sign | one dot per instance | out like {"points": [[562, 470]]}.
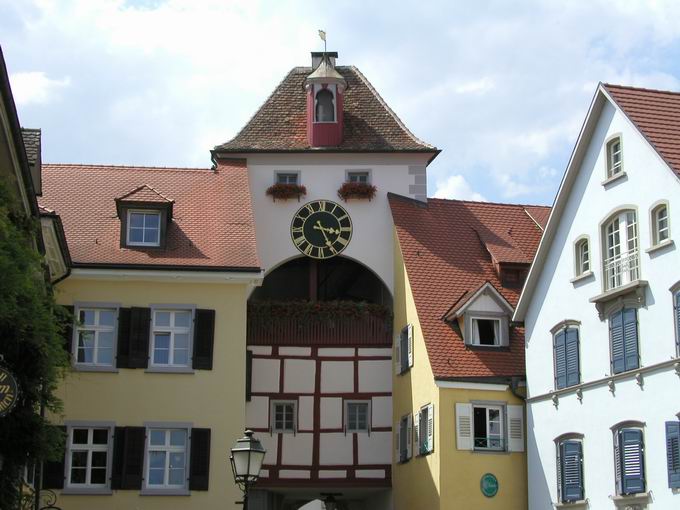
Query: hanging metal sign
{"points": [[9, 392]]}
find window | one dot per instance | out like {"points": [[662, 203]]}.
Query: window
{"points": [[325, 109], [623, 335], [488, 427], [166, 455], [673, 453], [676, 311], [424, 430], [287, 177], [660, 226], [404, 347], [171, 340], [95, 336], [283, 416], [486, 331], [614, 157], [582, 257], [403, 440], [629, 461], [570, 470], [566, 357], [88, 457], [143, 228], [361, 177], [622, 259], [357, 416]]}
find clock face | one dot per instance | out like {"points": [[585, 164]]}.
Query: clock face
{"points": [[321, 229]]}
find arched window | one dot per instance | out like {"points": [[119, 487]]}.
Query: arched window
{"points": [[566, 347], [325, 109], [582, 256], [621, 254], [661, 231], [614, 157], [629, 459], [570, 486]]}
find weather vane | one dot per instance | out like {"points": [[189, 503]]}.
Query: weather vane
{"points": [[322, 34]]}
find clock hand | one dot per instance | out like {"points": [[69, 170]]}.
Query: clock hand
{"points": [[330, 230], [323, 231]]}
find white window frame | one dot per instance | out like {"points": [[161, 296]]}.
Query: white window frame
{"points": [[613, 169], [88, 488], [503, 434], [272, 425], [349, 174], [655, 228], [146, 212], [167, 489], [97, 307], [173, 330], [351, 430], [278, 173], [474, 330], [621, 248], [576, 437], [618, 467], [583, 264]]}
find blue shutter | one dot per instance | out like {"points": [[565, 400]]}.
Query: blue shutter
{"points": [[616, 338], [571, 348], [673, 453], [632, 468], [560, 360], [630, 336], [572, 470]]}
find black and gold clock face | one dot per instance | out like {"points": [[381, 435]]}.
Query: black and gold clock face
{"points": [[321, 229]]}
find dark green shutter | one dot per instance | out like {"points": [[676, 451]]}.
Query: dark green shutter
{"points": [[673, 453], [632, 463], [123, 354], [132, 472], [249, 374], [53, 472], [571, 459], [204, 339], [140, 327], [560, 360], [118, 456], [630, 335], [617, 342], [571, 348], [68, 329], [199, 471]]}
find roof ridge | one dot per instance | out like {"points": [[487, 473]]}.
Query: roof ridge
{"points": [[645, 89], [389, 110], [139, 188], [511, 204], [124, 167]]}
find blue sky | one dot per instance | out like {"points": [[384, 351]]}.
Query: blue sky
{"points": [[502, 87]]}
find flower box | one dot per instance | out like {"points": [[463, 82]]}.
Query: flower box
{"points": [[286, 191], [358, 190]]}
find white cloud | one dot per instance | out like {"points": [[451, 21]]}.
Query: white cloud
{"points": [[35, 87], [475, 87], [456, 187]]}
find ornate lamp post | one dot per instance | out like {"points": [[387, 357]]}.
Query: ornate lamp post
{"points": [[246, 461]]}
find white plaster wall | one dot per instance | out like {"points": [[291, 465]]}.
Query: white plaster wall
{"points": [[265, 375], [336, 448], [375, 376], [295, 351], [271, 445], [264, 350], [296, 449], [257, 412], [299, 376], [485, 303], [381, 409], [375, 352], [336, 351], [322, 175], [331, 413], [306, 413], [337, 376], [556, 299], [375, 448]]}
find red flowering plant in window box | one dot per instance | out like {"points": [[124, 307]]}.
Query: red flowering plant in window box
{"points": [[285, 191], [359, 190]]}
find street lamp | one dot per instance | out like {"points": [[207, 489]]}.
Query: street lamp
{"points": [[329, 502], [246, 461]]}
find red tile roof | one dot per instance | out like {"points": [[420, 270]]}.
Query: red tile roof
{"points": [[144, 193], [212, 225], [442, 243], [539, 214], [656, 114], [280, 125]]}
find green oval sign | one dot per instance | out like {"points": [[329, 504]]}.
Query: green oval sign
{"points": [[9, 392], [489, 485]]}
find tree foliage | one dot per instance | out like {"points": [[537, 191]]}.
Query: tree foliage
{"points": [[31, 346]]}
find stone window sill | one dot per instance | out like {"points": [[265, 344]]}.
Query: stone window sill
{"points": [[660, 246], [165, 492], [613, 178], [581, 277], [169, 370], [580, 504], [634, 292], [84, 491], [632, 501]]}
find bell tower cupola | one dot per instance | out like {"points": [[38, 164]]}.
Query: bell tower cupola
{"points": [[325, 88]]}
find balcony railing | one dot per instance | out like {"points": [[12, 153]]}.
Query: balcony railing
{"points": [[336, 323], [621, 269]]}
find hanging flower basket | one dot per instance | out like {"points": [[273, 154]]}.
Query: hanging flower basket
{"points": [[358, 190], [286, 191]]}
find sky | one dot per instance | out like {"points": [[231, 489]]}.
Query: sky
{"points": [[502, 87]]}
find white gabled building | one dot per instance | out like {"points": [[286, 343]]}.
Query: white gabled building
{"points": [[601, 308]]}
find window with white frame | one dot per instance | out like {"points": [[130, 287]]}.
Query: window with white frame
{"points": [[582, 256], [676, 317], [283, 416], [629, 462], [487, 424], [486, 331], [621, 254], [358, 176], [325, 106], [614, 157], [166, 454], [660, 227], [171, 337], [95, 336], [287, 177], [357, 416], [143, 228], [88, 451], [570, 470]]}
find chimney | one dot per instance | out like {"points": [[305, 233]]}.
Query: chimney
{"points": [[317, 56]]}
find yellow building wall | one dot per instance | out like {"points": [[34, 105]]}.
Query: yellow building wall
{"points": [[212, 399], [448, 478]]}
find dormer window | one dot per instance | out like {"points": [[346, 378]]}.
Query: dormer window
{"points": [[614, 157], [486, 331], [144, 228], [325, 107]]}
